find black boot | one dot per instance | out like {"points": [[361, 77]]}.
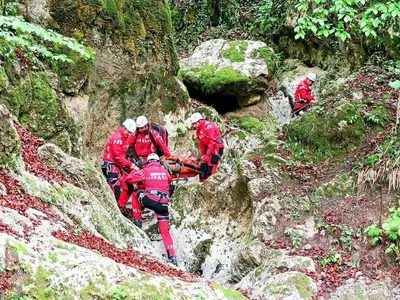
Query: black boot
{"points": [[173, 261], [138, 223]]}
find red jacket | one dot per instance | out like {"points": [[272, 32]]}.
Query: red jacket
{"points": [[302, 95], [144, 145], [154, 177], [210, 138], [116, 148]]}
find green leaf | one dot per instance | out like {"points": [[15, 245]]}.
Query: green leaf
{"points": [[395, 84]]}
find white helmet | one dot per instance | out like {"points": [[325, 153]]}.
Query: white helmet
{"points": [[153, 156], [194, 118], [141, 121], [312, 76], [130, 125]]}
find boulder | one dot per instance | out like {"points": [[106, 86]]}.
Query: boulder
{"points": [[230, 68], [289, 285], [362, 289], [247, 259]]}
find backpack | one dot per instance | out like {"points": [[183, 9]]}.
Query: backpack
{"points": [[162, 132]]}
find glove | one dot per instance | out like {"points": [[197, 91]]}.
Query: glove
{"points": [[205, 159]]}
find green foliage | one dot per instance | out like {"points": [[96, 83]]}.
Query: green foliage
{"points": [[294, 237], [209, 80], [333, 258], [236, 51], [395, 84], [377, 21], [377, 115], [190, 18], [269, 18], [389, 150], [119, 293], [37, 41], [338, 131], [390, 232]]}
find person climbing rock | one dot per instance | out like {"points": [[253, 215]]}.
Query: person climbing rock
{"points": [[154, 195], [303, 99], [115, 162], [211, 145], [148, 140]]}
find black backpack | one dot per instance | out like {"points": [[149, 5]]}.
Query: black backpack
{"points": [[162, 132]]}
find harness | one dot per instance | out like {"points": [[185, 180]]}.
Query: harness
{"points": [[158, 194]]}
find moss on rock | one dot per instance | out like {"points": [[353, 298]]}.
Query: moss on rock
{"points": [[268, 55], [209, 80], [202, 250], [10, 144], [3, 79], [333, 133], [236, 51]]}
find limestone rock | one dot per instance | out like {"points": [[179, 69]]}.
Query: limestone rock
{"points": [[79, 273], [247, 259], [249, 99], [288, 285], [281, 108], [230, 68], [10, 144], [293, 77], [37, 11], [265, 218], [360, 289]]}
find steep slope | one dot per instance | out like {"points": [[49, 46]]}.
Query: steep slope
{"points": [[63, 235]]}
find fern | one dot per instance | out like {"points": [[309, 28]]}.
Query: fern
{"points": [[38, 41]]}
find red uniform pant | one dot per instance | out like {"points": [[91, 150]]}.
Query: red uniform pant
{"points": [[159, 205]]}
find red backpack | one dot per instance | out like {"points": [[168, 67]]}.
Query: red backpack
{"points": [[162, 132]]}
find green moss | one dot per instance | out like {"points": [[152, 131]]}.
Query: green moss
{"points": [[71, 75], [236, 51], [41, 285], [252, 125], [241, 135], [3, 79], [209, 80], [341, 186], [228, 293], [10, 144], [302, 283], [19, 248], [335, 133], [269, 56], [202, 250], [53, 257]]}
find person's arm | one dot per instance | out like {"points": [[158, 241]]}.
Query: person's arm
{"points": [[160, 142], [135, 177], [119, 155], [132, 139], [305, 94], [213, 135]]}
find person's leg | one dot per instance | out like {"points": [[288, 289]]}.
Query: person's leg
{"points": [[163, 225], [136, 207], [113, 175], [160, 207]]}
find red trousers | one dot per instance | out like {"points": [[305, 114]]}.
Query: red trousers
{"points": [[159, 206]]}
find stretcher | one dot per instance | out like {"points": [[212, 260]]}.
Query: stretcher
{"points": [[181, 167]]}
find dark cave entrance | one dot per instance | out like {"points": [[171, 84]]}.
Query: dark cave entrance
{"points": [[221, 103]]}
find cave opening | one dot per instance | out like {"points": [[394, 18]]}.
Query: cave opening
{"points": [[221, 103]]}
